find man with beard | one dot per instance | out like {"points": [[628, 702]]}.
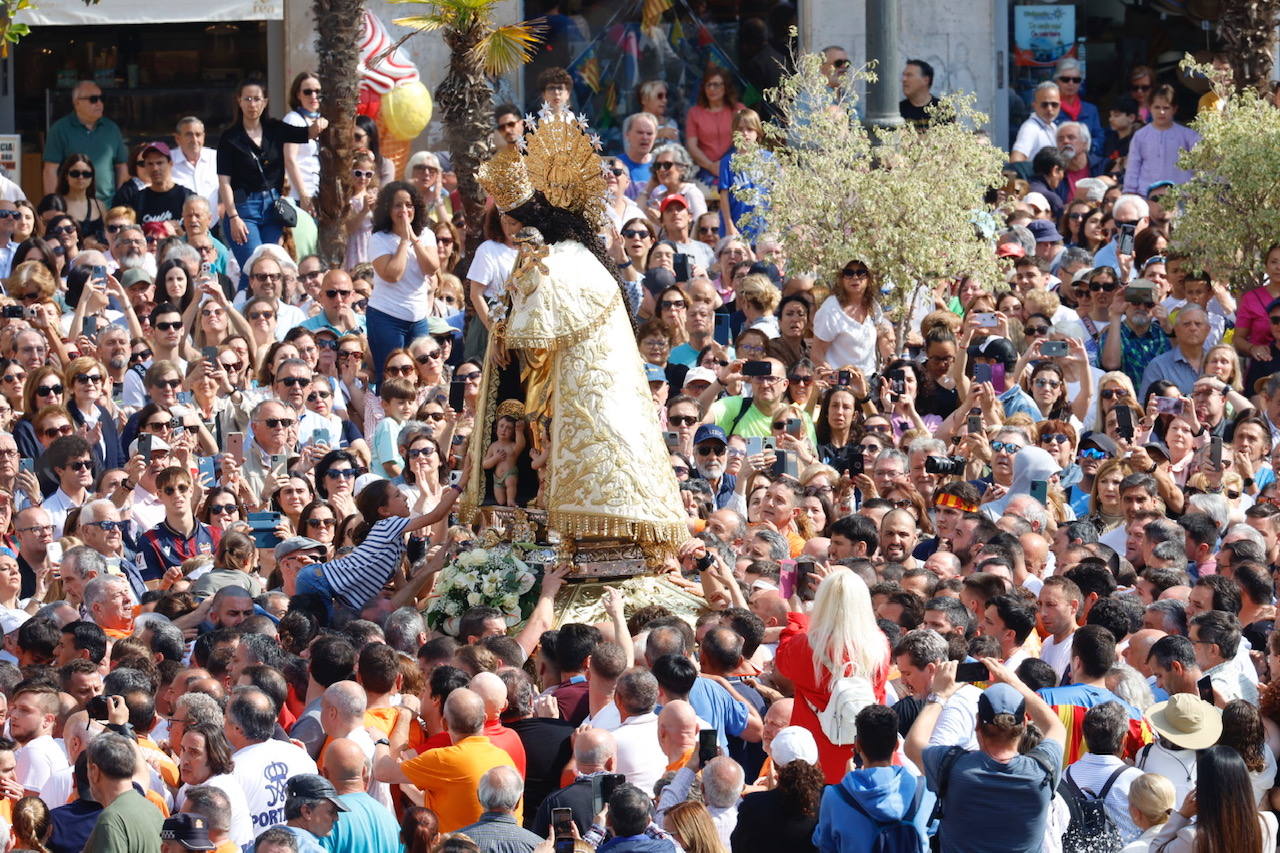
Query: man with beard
{"points": [[1133, 337], [129, 250], [971, 533], [710, 457], [1075, 141], [950, 503], [898, 535], [113, 351]]}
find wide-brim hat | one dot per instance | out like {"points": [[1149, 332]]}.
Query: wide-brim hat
{"points": [[1186, 721]]}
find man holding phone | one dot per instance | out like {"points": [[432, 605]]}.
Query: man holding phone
{"points": [[752, 417], [1184, 362], [1133, 336]]}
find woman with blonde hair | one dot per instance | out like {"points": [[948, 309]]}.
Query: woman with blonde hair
{"points": [[690, 823], [89, 403], [1150, 802], [842, 641], [757, 300], [846, 325], [1106, 510], [32, 825]]}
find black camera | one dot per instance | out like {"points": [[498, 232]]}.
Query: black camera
{"points": [[946, 466], [849, 459]]}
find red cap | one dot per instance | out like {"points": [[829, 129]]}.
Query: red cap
{"points": [[156, 146], [1010, 250], [674, 198]]}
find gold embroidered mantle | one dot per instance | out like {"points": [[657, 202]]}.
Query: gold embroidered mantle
{"points": [[609, 470]]}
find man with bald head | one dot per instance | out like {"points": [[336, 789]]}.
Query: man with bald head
{"points": [[753, 416], [1181, 363], [594, 753], [493, 691], [368, 825], [944, 564], [337, 293], [450, 775], [898, 538], [1135, 654], [678, 727], [85, 130]]}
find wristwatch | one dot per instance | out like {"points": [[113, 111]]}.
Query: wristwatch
{"points": [[382, 742], [934, 697]]}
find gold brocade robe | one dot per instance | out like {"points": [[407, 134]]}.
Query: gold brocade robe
{"points": [[609, 472]]}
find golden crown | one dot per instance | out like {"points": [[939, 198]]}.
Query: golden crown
{"points": [[505, 178], [563, 163], [511, 408]]}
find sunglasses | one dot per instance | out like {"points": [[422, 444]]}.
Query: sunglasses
{"points": [[402, 370], [107, 526], [321, 522], [93, 99], [311, 93], [232, 366], [79, 173], [261, 315], [711, 450], [1036, 330], [350, 353], [222, 509], [58, 431], [682, 420], [1047, 383], [428, 357], [1055, 437], [1070, 79], [163, 425], [800, 380], [88, 378], [468, 377], [294, 381], [171, 326], [140, 356], [79, 465], [618, 173], [177, 490], [47, 390], [1110, 393], [167, 383], [278, 423], [317, 396], [672, 303], [880, 428], [634, 233], [1106, 286], [445, 241], [1094, 453], [663, 166], [341, 473], [851, 272], [421, 452], [64, 230], [1010, 447], [338, 294]]}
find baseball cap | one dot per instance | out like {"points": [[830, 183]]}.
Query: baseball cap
{"points": [[1010, 249], [311, 786], [794, 743], [657, 280], [1102, 441], [136, 275], [653, 373], [1044, 231], [1001, 699], [1000, 349], [673, 198], [439, 326], [699, 374], [1159, 185], [1187, 721], [1159, 447], [710, 432], [156, 145], [157, 443], [189, 830], [1036, 200], [296, 543]]}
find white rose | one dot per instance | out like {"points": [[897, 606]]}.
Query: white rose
{"points": [[525, 582], [475, 599], [510, 603], [490, 584]]}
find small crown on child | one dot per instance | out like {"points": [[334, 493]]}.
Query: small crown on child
{"points": [[511, 408]]}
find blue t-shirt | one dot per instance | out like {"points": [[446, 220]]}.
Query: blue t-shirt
{"points": [[368, 828], [712, 703], [1008, 802]]}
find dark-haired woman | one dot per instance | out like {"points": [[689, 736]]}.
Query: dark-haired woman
{"points": [[1229, 822], [304, 165], [79, 192], [253, 156], [365, 135], [403, 249]]}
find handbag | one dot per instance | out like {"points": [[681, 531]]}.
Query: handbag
{"points": [[285, 212]]}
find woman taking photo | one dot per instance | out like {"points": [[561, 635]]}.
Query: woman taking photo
{"points": [[845, 327], [842, 640], [79, 193], [1229, 822], [403, 249], [253, 156]]}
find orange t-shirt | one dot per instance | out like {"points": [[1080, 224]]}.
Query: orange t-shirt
{"points": [[449, 776]]}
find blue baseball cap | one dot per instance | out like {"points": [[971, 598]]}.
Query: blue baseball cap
{"points": [[710, 432], [1001, 699], [654, 373], [1158, 185]]}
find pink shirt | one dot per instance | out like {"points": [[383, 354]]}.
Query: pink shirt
{"points": [[713, 129]]}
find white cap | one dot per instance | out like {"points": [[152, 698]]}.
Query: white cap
{"points": [[157, 443], [11, 620], [699, 374], [1037, 200], [364, 480], [791, 744]]}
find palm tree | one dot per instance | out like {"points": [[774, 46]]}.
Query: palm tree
{"points": [[338, 26], [479, 49]]}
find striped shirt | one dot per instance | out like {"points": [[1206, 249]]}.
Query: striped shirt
{"points": [[359, 576]]}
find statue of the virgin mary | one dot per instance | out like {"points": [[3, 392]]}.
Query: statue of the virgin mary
{"points": [[604, 467]]}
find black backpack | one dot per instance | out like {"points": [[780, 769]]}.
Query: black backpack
{"points": [[893, 836], [1091, 829]]}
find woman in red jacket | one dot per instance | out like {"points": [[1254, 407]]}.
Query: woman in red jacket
{"points": [[841, 639]]}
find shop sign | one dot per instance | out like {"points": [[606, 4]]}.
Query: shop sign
{"points": [[1043, 34], [11, 156]]}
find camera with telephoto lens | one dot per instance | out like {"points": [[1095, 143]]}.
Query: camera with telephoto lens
{"points": [[946, 466]]}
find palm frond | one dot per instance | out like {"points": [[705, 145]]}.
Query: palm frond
{"points": [[506, 48], [421, 23]]}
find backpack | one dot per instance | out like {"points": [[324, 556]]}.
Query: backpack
{"points": [[945, 766], [1091, 829], [892, 836], [849, 695]]}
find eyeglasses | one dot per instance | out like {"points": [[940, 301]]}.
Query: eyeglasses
{"points": [[212, 311], [1094, 453], [1107, 286], [163, 425], [37, 528], [93, 99], [1070, 79], [664, 165], [1009, 447], [634, 233], [140, 356], [682, 420], [350, 353], [341, 473], [428, 357], [317, 396], [64, 230], [339, 294], [421, 452], [708, 229], [232, 366], [672, 303], [58, 431], [711, 450], [261, 315], [854, 272], [294, 381], [222, 509], [681, 470], [616, 172], [79, 173], [1055, 437], [1054, 104], [878, 428], [800, 380], [445, 241], [474, 376], [1109, 393], [167, 383], [106, 526], [15, 377], [311, 93], [181, 489], [48, 390], [321, 522], [1047, 383], [267, 276], [278, 423]]}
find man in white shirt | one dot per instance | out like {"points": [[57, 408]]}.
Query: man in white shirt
{"points": [[1059, 608], [262, 765], [1216, 637], [918, 655], [1102, 771], [71, 461], [195, 166], [1038, 131], [32, 714], [639, 757]]}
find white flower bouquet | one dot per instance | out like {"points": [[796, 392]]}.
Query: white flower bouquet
{"points": [[483, 577]]}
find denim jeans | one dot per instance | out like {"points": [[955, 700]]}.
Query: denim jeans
{"points": [[258, 214], [387, 333]]}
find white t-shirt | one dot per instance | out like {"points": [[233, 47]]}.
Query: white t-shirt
{"points": [[850, 342], [38, 761], [957, 723], [1057, 656], [262, 769], [308, 157], [410, 297], [491, 266], [242, 832], [639, 756], [608, 718]]}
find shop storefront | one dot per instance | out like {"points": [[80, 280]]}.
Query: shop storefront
{"points": [[151, 73]]}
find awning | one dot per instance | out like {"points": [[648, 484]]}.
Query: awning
{"points": [[56, 13]]}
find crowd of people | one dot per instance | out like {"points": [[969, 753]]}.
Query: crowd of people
{"points": [[1005, 584]]}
